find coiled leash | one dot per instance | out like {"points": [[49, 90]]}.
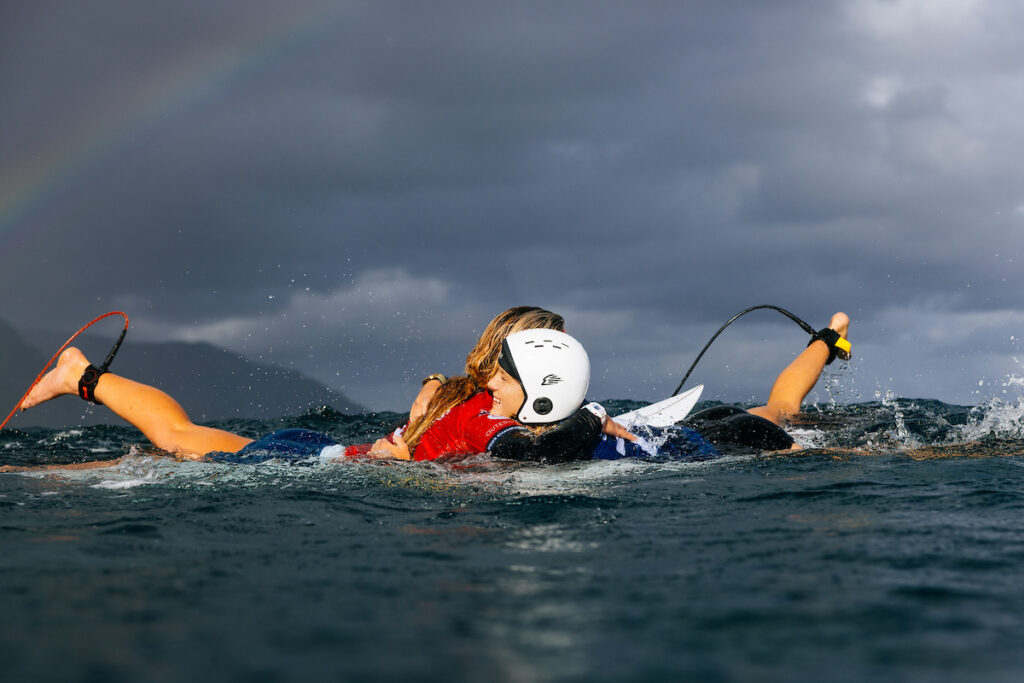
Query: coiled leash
{"points": [[92, 374], [838, 346]]}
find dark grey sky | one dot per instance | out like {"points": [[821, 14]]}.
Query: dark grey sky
{"points": [[353, 189]]}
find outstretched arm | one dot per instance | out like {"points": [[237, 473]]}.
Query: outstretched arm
{"points": [[613, 428], [572, 439]]}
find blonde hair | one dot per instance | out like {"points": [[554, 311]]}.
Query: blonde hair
{"points": [[482, 361], [481, 364]]}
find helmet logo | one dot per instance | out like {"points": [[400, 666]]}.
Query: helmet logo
{"points": [[549, 380]]}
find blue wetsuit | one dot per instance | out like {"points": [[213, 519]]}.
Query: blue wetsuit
{"points": [[298, 445], [677, 442], [722, 429], [285, 444]]}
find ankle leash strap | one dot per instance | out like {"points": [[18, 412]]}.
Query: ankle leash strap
{"points": [[838, 346], [87, 384]]}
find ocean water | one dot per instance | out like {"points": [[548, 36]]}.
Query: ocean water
{"points": [[891, 550]]}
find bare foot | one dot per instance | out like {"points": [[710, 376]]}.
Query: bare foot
{"points": [[63, 379], [840, 323]]}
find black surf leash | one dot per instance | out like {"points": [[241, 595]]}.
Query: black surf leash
{"points": [[838, 346]]}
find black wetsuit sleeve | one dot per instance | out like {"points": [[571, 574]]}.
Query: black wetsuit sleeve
{"points": [[574, 438]]}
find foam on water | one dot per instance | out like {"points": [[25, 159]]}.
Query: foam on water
{"points": [[996, 418]]}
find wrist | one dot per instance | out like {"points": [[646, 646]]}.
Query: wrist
{"points": [[598, 410]]}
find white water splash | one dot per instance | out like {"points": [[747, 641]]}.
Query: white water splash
{"points": [[1014, 380], [116, 484], [996, 418], [808, 437], [133, 471], [902, 434]]}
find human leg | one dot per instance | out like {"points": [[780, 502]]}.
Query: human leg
{"points": [[799, 377], [153, 412], [732, 429]]}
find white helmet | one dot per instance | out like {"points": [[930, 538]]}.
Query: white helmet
{"points": [[552, 368]]}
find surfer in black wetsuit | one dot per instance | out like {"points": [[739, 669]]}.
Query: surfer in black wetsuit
{"points": [[761, 428], [720, 429], [728, 428]]}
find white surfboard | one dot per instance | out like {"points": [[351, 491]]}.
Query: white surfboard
{"points": [[663, 413]]}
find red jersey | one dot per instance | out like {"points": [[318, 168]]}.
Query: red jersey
{"points": [[466, 429]]}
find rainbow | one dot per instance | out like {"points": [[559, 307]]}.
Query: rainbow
{"points": [[37, 191]]}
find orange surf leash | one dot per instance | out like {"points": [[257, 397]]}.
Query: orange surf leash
{"points": [[106, 363]]}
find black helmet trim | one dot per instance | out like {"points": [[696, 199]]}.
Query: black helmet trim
{"points": [[507, 363]]}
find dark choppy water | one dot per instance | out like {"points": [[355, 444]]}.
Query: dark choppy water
{"points": [[903, 562]]}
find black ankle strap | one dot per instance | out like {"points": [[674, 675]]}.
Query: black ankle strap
{"points": [[837, 346], [87, 384]]}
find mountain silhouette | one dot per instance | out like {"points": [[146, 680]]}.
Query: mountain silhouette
{"points": [[210, 383]]}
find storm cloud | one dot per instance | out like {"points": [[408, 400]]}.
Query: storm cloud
{"points": [[353, 189]]}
